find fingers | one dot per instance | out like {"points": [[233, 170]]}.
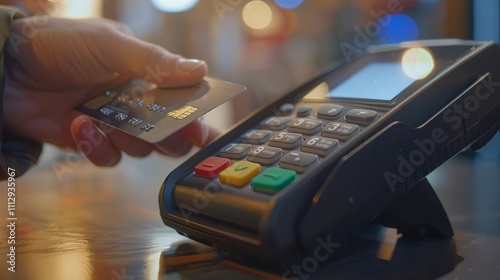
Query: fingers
{"points": [[94, 145], [122, 27], [195, 134], [105, 149], [94, 52], [132, 146], [199, 133], [174, 145]]}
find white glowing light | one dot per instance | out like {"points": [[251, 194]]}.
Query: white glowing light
{"points": [[417, 63], [79, 9], [174, 6]]}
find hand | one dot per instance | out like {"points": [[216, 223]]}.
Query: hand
{"points": [[30, 7], [53, 64]]}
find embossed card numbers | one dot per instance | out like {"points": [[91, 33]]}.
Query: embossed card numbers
{"points": [[153, 115]]}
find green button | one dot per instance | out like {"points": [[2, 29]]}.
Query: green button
{"points": [[273, 179]]}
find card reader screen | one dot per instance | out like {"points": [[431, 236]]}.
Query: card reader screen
{"points": [[377, 80]]}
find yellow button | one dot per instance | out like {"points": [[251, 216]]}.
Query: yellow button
{"points": [[240, 173]]}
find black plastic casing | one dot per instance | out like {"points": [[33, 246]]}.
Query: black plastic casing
{"points": [[363, 182]]}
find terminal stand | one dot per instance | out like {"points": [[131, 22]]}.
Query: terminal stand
{"points": [[418, 214]]}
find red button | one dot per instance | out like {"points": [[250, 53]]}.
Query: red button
{"points": [[211, 166]]}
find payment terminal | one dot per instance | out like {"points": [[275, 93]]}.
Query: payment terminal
{"points": [[350, 147]]}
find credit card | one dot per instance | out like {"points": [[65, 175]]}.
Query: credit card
{"points": [[155, 114]]}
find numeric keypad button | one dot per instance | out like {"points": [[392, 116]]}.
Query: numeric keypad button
{"points": [[330, 111], [304, 111], [256, 136], [235, 151], [360, 116], [286, 140], [298, 161], [305, 126], [265, 155], [274, 123], [338, 130], [320, 145], [286, 109]]}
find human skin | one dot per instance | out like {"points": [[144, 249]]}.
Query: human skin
{"points": [[54, 64]]}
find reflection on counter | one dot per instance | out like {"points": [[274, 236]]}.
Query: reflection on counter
{"points": [[77, 221], [378, 252]]}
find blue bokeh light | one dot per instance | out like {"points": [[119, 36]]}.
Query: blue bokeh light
{"points": [[399, 28], [430, 2], [288, 4]]}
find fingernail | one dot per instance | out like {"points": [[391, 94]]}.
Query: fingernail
{"points": [[149, 85], [204, 133], [189, 65], [83, 125]]}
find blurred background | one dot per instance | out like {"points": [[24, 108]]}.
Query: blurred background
{"points": [[84, 222], [272, 46]]}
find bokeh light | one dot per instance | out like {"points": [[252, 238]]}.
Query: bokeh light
{"points": [[257, 14], [417, 63], [79, 9], [399, 28], [174, 6], [430, 2], [288, 4]]}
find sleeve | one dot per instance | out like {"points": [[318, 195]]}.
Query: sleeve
{"points": [[17, 153]]}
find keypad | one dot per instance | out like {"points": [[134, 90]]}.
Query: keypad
{"points": [[239, 173], [320, 145], [235, 151], [304, 111], [330, 111], [305, 126], [339, 130], [273, 179], [275, 153], [274, 123], [211, 166], [286, 109], [298, 161], [265, 155], [256, 136], [286, 140], [360, 116]]}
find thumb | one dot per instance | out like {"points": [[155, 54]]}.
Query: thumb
{"points": [[133, 57], [66, 53]]}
